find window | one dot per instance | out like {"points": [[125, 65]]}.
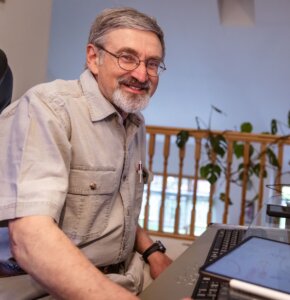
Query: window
{"points": [[286, 193], [170, 203]]}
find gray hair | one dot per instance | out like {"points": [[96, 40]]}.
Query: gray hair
{"points": [[124, 17]]}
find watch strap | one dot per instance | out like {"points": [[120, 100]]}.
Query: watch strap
{"points": [[157, 246]]}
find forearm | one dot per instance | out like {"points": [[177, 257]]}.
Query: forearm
{"points": [[45, 252], [143, 240], [158, 261]]}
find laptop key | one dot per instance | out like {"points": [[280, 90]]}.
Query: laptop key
{"points": [[206, 288]]}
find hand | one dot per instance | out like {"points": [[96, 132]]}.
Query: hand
{"points": [[158, 262]]}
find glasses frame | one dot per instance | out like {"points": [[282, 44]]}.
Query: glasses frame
{"points": [[161, 67]]}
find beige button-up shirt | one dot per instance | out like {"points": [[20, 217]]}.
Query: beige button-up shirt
{"points": [[66, 153]]}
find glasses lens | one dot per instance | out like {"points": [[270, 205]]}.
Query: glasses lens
{"points": [[128, 62], [155, 67]]}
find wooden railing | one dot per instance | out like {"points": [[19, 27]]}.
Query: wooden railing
{"points": [[188, 160]]}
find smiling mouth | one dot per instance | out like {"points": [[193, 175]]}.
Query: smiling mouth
{"points": [[135, 85]]}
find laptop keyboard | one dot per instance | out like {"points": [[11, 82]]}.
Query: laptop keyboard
{"points": [[207, 288]]}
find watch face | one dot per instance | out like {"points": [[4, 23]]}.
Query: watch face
{"points": [[161, 246], [156, 246]]}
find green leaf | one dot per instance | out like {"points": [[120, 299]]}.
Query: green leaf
{"points": [[252, 150], [216, 169], [241, 175], [246, 127], [182, 138], [256, 169], [272, 158], [241, 166], [218, 144], [204, 170], [239, 150], [223, 198], [210, 172], [212, 179], [274, 126]]}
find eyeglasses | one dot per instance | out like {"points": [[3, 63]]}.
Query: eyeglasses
{"points": [[130, 62]]}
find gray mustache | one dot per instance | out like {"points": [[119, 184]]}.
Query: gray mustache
{"points": [[136, 83]]}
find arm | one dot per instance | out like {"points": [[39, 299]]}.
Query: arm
{"points": [[46, 253], [158, 261]]}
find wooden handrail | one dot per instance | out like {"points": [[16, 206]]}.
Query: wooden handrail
{"points": [[228, 134]]}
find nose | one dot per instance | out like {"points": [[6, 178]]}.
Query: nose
{"points": [[140, 72]]}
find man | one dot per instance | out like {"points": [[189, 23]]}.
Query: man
{"points": [[72, 169]]}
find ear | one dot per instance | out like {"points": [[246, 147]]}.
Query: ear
{"points": [[92, 58]]}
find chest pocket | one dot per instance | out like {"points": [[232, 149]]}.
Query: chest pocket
{"points": [[88, 203]]}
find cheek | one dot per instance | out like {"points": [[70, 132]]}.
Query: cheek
{"points": [[154, 84], [107, 79], [106, 86]]}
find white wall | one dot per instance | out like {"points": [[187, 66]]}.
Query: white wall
{"points": [[242, 70], [24, 37]]}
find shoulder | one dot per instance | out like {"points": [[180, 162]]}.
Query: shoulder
{"points": [[57, 96], [46, 102], [56, 89]]}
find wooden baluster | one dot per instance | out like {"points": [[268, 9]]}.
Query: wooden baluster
{"points": [[261, 175], [245, 182], [177, 210], [195, 183], [279, 171], [228, 181], [211, 192], [151, 151], [166, 152]]}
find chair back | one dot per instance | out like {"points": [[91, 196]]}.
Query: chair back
{"points": [[6, 81]]}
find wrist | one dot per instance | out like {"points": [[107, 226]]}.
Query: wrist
{"points": [[155, 247]]}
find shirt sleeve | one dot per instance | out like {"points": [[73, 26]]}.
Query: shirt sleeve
{"points": [[35, 156]]}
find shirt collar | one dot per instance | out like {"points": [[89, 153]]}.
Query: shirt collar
{"points": [[99, 107]]}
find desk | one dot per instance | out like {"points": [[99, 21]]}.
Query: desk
{"points": [[179, 279]]}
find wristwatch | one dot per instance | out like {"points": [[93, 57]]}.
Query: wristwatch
{"points": [[157, 246]]}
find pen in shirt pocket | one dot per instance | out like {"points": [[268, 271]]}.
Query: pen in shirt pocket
{"points": [[140, 171]]}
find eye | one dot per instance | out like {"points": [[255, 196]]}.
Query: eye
{"points": [[128, 58], [153, 64]]}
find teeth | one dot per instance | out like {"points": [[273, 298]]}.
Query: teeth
{"points": [[134, 87]]}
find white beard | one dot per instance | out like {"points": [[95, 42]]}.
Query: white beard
{"points": [[130, 103]]}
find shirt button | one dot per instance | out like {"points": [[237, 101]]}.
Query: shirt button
{"points": [[93, 186]]}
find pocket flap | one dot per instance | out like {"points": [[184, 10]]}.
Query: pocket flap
{"points": [[88, 182]]}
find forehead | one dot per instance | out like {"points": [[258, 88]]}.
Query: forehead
{"points": [[144, 43]]}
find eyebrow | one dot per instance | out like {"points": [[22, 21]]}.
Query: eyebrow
{"points": [[133, 52]]}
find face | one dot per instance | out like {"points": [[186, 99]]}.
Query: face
{"points": [[129, 91]]}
